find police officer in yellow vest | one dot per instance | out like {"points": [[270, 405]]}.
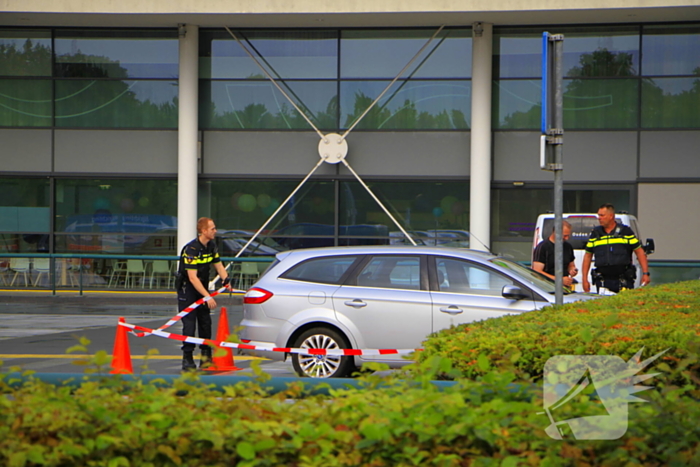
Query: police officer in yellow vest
{"points": [[196, 258], [613, 245]]}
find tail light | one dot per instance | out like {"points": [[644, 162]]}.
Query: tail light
{"points": [[256, 296]]}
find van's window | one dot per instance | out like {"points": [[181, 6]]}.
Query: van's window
{"points": [[635, 229], [581, 227], [325, 270]]}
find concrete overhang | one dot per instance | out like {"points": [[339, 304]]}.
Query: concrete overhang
{"points": [[331, 14]]}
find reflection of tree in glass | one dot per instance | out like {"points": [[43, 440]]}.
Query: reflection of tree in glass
{"points": [[405, 117], [408, 116], [327, 119], [33, 59], [79, 65], [592, 103], [374, 118], [602, 62], [253, 116], [107, 103], [257, 116], [666, 109], [81, 103], [25, 102]]}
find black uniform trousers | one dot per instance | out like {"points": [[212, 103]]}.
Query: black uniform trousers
{"points": [[199, 317], [613, 283]]}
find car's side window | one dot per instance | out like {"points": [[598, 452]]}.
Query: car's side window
{"points": [[459, 276], [324, 270], [391, 271]]}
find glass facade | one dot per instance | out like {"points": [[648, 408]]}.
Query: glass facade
{"points": [[116, 54], [617, 77], [638, 77], [116, 216], [258, 104], [417, 105], [25, 219], [25, 52], [382, 54], [671, 63], [334, 212], [26, 102], [331, 76], [622, 77], [671, 50], [115, 104], [88, 78], [285, 54], [595, 61]]}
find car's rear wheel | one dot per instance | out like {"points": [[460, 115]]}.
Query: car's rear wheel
{"points": [[322, 366]]}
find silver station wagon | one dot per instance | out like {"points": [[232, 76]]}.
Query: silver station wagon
{"points": [[380, 297]]}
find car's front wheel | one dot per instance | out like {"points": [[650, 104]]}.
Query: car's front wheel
{"points": [[322, 366]]}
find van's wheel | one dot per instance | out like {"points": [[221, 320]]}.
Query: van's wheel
{"points": [[322, 366]]}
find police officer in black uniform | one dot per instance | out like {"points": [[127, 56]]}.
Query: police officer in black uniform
{"points": [[613, 245], [193, 277]]}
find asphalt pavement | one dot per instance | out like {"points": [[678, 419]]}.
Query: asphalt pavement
{"points": [[37, 329]]}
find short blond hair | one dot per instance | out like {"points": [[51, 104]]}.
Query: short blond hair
{"points": [[202, 224]]}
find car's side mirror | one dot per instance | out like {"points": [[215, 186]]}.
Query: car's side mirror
{"points": [[513, 292], [649, 247]]}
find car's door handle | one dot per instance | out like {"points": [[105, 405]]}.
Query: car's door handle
{"points": [[357, 303], [452, 309]]}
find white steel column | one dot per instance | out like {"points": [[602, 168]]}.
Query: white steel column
{"points": [[187, 128], [480, 172]]}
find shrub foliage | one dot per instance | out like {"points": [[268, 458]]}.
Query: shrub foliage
{"points": [[655, 318], [492, 418], [485, 423]]}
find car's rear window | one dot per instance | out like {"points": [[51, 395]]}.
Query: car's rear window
{"points": [[326, 270]]}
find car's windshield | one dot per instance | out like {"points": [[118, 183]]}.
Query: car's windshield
{"points": [[526, 274]]}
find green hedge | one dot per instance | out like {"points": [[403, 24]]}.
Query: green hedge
{"points": [[487, 423], [493, 418], [655, 318]]}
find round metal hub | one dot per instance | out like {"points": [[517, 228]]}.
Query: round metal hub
{"points": [[332, 148]]}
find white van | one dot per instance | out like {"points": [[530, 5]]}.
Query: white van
{"points": [[581, 226]]}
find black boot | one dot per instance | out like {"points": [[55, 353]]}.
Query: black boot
{"points": [[188, 361], [205, 360]]}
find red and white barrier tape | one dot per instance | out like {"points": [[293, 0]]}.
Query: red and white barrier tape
{"points": [[187, 310], [329, 352]]}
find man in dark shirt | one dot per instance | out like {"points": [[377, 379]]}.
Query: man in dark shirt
{"points": [[195, 261], [543, 258]]}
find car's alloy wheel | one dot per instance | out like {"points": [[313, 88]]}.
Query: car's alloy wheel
{"points": [[321, 366]]}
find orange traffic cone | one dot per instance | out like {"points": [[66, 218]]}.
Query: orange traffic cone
{"points": [[223, 362], [121, 357]]}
